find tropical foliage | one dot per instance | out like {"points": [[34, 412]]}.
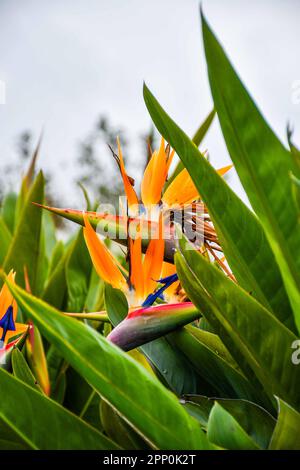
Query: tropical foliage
{"points": [[168, 342]]}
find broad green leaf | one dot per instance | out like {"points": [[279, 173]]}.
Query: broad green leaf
{"points": [[295, 152], [296, 190], [175, 370], [57, 254], [118, 430], [286, 434], [5, 237], [117, 378], [24, 247], [55, 290], [213, 342], [226, 380], [78, 273], [224, 431], [57, 368], [242, 237], [8, 210], [82, 399], [261, 161], [198, 406], [43, 262], [34, 418], [95, 297], [50, 233], [197, 139], [22, 371], [47, 244], [243, 322], [254, 420]]}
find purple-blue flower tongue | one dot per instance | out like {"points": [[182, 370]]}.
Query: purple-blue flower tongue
{"points": [[7, 322]]}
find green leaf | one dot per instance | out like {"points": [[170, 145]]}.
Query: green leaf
{"points": [[197, 139], [57, 368], [243, 323], [296, 190], [286, 434], [117, 429], [224, 431], [28, 413], [198, 406], [261, 161], [22, 371], [50, 233], [8, 210], [5, 237], [82, 399], [57, 254], [242, 237], [37, 359], [226, 380], [170, 364], [24, 248], [117, 377], [78, 273], [55, 290]]}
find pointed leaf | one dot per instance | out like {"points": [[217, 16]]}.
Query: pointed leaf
{"points": [[197, 139], [253, 330], [286, 434], [24, 248], [242, 237], [117, 377], [29, 413], [262, 162]]}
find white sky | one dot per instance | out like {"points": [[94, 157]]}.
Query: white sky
{"points": [[66, 62]]}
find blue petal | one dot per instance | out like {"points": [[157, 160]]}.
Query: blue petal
{"points": [[167, 281], [7, 322]]}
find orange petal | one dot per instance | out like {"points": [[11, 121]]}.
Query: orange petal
{"points": [[222, 171], [153, 261], [155, 176], [20, 328], [167, 270], [103, 261], [129, 191], [181, 191], [136, 267], [6, 298]]}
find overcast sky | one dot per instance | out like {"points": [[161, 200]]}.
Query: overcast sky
{"points": [[66, 62]]}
